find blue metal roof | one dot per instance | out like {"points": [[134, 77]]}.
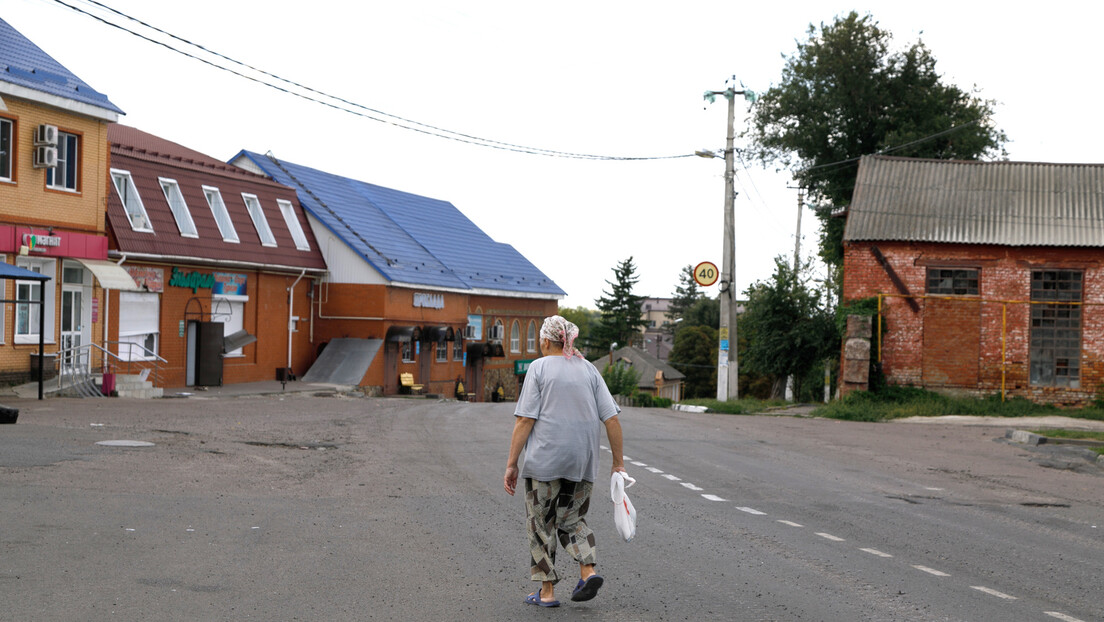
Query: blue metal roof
{"points": [[406, 237], [23, 63]]}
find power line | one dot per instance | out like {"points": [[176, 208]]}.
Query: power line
{"points": [[346, 105]]}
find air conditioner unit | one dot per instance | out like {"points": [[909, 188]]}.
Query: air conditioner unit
{"points": [[45, 157], [495, 333], [46, 136], [469, 333]]}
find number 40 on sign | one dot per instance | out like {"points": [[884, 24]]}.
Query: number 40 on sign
{"points": [[706, 273]]}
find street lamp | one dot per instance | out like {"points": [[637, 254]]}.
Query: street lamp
{"points": [[728, 375]]}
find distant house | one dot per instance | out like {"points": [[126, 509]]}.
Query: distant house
{"points": [[989, 274], [418, 286], [224, 260], [53, 187], [657, 339], [657, 378]]}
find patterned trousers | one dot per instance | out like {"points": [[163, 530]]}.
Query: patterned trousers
{"points": [[556, 511]]}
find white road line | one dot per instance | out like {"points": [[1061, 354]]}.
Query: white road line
{"points": [[691, 486], [932, 571], [624, 457], [876, 552], [1062, 616], [791, 523], [992, 592], [640, 464], [654, 470], [713, 497], [752, 511], [829, 536], [672, 477], [930, 488]]}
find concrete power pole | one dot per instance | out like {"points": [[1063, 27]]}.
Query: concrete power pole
{"points": [[728, 375]]}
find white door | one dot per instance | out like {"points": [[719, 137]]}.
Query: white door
{"points": [[72, 307]]}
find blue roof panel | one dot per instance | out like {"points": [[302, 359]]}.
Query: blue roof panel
{"points": [[407, 237], [25, 64]]}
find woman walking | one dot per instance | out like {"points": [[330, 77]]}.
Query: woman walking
{"points": [[563, 405]]}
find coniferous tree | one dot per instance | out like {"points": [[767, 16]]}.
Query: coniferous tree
{"points": [[622, 314], [687, 294]]}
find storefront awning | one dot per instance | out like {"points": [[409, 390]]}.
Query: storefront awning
{"points": [[111, 275], [438, 333], [404, 333]]}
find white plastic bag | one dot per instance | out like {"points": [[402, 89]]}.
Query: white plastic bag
{"points": [[624, 514]]}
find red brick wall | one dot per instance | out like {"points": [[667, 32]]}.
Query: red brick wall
{"points": [[1000, 310]]}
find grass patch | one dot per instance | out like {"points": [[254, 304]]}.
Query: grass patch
{"points": [[746, 406], [895, 402], [1076, 434]]}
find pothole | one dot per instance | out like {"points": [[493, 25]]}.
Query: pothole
{"points": [[313, 445]]}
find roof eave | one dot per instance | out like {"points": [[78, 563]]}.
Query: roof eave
{"points": [[64, 103]]}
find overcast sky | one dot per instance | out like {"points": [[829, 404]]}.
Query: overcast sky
{"points": [[607, 78]]}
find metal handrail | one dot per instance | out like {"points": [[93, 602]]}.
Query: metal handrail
{"points": [[79, 360]]}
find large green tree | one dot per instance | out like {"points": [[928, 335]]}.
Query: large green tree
{"points": [[622, 316], [788, 328], [846, 93], [585, 319], [695, 355]]}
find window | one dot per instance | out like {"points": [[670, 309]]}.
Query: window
{"points": [[406, 351], [442, 351], [64, 175], [531, 337], [26, 314], [6, 132], [458, 349], [515, 337], [1055, 348], [953, 281], [222, 217], [132, 202], [292, 222], [139, 325], [231, 312], [179, 208], [253, 205]]}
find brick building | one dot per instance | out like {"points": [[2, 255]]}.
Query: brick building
{"points": [[989, 274], [414, 288], [223, 259], [53, 185]]}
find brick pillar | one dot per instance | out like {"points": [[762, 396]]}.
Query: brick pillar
{"points": [[856, 355]]}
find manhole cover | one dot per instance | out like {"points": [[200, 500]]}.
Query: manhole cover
{"points": [[124, 443]]}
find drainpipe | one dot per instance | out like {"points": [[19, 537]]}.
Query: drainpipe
{"points": [[291, 312]]}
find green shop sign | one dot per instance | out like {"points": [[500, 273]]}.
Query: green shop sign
{"points": [[520, 367], [192, 280]]}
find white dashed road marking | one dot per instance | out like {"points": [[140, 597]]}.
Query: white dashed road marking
{"points": [[640, 464], [876, 552], [932, 571], [713, 497], [691, 486], [829, 536], [673, 478], [992, 592], [752, 511], [791, 523], [1062, 616], [654, 470]]}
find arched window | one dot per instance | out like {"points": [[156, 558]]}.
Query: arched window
{"points": [[515, 337], [531, 338]]}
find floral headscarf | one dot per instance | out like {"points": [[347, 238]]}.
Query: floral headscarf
{"points": [[559, 330]]}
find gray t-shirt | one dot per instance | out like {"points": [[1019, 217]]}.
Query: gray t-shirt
{"points": [[570, 401]]}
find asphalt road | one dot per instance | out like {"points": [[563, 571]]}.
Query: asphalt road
{"points": [[300, 507]]}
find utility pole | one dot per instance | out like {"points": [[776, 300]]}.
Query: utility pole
{"points": [[728, 375], [796, 268]]}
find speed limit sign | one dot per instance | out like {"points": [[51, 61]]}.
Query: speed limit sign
{"points": [[706, 273]]}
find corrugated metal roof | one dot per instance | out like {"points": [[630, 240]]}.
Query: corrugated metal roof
{"points": [[24, 64], [409, 238], [1002, 203], [148, 158]]}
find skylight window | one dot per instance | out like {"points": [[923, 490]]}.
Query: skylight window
{"points": [[179, 208], [222, 217], [132, 202], [253, 204], [288, 210]]}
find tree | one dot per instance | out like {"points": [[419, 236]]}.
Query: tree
{"points": [[687, 293], [787, 327], [622, 317], [585, 319], [843, 95], [695, 355], [704, 312]]}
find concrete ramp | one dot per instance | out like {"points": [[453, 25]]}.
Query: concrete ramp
{"points": [[344, 361]]}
